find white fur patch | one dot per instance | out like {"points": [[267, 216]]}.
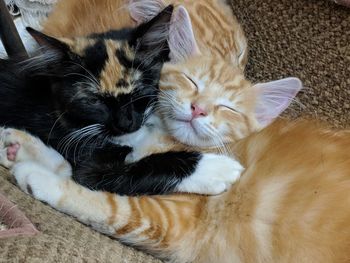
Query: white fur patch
{"points": [[143, 139], [38, 181], [214, 174]]}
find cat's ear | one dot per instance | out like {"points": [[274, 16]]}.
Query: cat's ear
{"points": [[274, 97], [182, 42], [143, 11], [151, 38], [49, 42]]}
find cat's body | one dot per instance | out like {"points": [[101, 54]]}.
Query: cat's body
{"points": [[291, 204]]}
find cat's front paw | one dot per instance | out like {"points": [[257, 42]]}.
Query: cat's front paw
{"points": [[38, 181], [15, 146], [8, 149], [214, 175]]}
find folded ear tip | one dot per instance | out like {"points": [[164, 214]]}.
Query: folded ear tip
{"points": [[296, 83], [181, 8], [297, 80], [181, 12]]}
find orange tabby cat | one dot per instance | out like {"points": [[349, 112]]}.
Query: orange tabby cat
{"points": [[292, 204]]}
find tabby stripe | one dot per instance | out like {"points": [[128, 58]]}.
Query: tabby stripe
{"points": [[155, 230], [113, 206], [134, 221]]}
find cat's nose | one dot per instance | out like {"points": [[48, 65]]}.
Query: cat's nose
{"points": [[197, 111]]}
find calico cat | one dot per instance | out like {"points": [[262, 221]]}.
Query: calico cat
{"points": [[291, 204], [80, 88]]}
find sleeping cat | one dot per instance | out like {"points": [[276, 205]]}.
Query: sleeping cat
{"points": [[291, 204], [82, 87]]}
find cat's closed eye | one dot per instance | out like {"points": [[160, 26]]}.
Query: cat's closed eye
{"points": [[226, 107], [193, 83]]}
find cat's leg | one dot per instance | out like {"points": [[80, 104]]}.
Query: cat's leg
{"points": [[151, 223], [20, 146], [168, 172]]}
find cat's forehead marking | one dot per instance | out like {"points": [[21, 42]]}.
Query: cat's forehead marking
{"points": [[117, 78], [80, 44]]}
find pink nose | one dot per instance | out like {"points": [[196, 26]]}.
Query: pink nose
{"points": [[197, 111]]}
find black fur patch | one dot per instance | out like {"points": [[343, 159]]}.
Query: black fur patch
{"points": [[155, 174], [95, 57], [123, 59]]}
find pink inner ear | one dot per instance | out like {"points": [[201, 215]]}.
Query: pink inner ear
{"points": [[274, 97], [144, 10], [182, 41]]}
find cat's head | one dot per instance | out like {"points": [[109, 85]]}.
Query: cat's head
{"points": [[108, 79], [207, 102]]}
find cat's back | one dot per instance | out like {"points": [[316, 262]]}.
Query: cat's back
{"points": [[293, 202], [82, 17], [216, 29]]}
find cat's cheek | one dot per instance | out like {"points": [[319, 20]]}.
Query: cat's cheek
{"points": [[39, 182]]}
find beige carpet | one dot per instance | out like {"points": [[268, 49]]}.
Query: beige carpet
{"points": [[305, 38], [309, 39]]}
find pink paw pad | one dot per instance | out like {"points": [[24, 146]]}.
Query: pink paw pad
{"points": [[12, 150]]}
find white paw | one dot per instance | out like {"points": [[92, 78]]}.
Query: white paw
{"points": [[20, 146], [8, 150], [38, 181], [214, 174], [17, 145]]}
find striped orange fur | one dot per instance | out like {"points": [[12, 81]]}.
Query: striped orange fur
{"points": [[291, 204]]}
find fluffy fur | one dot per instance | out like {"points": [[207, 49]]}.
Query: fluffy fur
{"points": [[290, 205]]}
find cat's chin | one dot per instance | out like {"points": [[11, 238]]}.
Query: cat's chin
{"points": [[188, 133]]}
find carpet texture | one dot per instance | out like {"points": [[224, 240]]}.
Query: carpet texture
{"points": [[304, 38]]}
